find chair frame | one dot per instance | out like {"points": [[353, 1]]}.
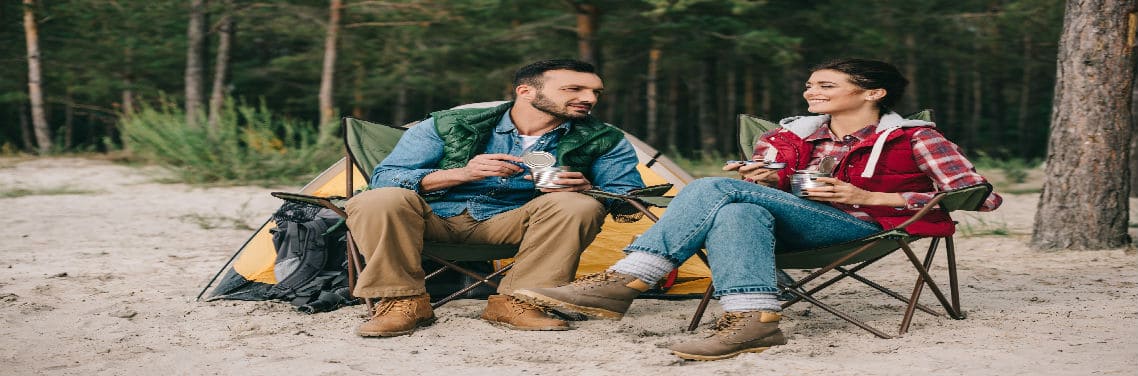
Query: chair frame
{"points": [[902, 239]]}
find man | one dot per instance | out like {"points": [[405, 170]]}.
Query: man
{"points": [[458, 177]]}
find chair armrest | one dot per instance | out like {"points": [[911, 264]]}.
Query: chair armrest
{"points": [[334, 203], [629, 207], [967, 198]]}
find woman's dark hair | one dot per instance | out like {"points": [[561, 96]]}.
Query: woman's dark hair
{"points": [[871, 74], [531, 74]]}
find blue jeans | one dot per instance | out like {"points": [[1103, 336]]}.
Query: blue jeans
{"points": [[742, 224]]}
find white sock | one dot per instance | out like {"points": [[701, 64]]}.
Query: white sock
{"points": [[645, 266], [757, 301]]}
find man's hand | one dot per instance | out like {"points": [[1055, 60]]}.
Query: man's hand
{"points": [[486, 165], [574, 181], [755, 173]]}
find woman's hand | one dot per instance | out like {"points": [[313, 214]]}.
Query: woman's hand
{"points": [[845, 193], [755, 173]]}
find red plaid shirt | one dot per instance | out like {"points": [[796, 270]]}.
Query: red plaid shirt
{"points": [[938, 157]]}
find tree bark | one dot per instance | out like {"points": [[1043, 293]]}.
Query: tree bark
{"points": [[911, 102], [1134, 141], [1086, 175], [358, 89], [726, 124], [327, 116], [706, 109], [587, 21], [128, 83], [221, 65], [651, 127], [1024, 133], [26, 131], [35, 90], [68, 118], [749, 89], [195, 46], [672, 111]]}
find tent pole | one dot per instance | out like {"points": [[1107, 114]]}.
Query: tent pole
{"points": [[227, 263]]}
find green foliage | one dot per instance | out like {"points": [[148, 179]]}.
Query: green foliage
{"points": [[47, 191], [1015, 169], [705, 166], [977, 226], [249, 145]]}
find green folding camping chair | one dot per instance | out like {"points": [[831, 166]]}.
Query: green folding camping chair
{"points": [[366, 144], [847, 259]]}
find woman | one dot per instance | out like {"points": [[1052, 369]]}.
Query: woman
{"points": [[889, 168]]}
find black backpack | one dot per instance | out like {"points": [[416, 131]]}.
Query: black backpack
{"points": [[311, 268]]}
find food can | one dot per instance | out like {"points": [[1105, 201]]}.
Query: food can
{"points": [[801, 180], [543, 177]]}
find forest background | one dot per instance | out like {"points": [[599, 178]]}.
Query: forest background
{"points": [[677, 72]]}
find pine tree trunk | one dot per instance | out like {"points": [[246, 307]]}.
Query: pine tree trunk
{"points": [[1025, 134], [952, 90], [911, 102], [651, 127], [587, 17], [195, 46], [327, 116], [358, 89], [68, 118], [672, 110], [128, 83], [35, 90], [749, 89], [706, 109], [26, 131], [1134, 141], [1084, 202], [727, 128], [221, 65]]}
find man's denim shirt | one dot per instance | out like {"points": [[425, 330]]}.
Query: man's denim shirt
{"points": [[420, 149]]}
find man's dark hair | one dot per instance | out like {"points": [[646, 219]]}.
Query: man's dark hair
{"points": [[871, 74], [532, 74]]}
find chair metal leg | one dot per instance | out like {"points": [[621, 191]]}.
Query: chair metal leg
{"points": [[840, 314], [916, 295], [954, 283], [354, 268], [480, 281], [699, 310], [917, 264]]}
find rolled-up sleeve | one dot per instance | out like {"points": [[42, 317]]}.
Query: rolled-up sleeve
{"points": [[615, 171], [416, 155]]}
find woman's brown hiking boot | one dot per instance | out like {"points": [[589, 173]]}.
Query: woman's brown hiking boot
{"points": [[605, 295], [735, 333]]}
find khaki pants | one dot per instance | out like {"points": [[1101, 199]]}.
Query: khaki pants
{"points": [[389, 226]]}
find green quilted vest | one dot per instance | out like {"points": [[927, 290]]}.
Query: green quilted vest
{"points": [[465, 133]]}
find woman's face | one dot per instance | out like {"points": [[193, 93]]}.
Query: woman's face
{"points": [[829, 92]]}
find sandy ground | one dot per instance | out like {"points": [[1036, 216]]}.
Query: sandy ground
{"points": [[99, 266]]}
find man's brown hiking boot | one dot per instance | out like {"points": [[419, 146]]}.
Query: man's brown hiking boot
{"points": [[515, 314], [398, 316], [735, 333], [604, 295]]}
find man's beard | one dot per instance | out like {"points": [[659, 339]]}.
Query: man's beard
{"points": [[544, 104]]}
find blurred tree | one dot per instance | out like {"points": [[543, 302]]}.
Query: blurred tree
{"points": [[35, 89], [327, 116], [1087, 174], [195, 49], [224, 31]]}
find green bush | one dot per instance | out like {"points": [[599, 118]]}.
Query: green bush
{"points": [[1014, 169], [248, 146]]}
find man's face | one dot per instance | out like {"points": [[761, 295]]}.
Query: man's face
{"points": [[568, 94]]}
